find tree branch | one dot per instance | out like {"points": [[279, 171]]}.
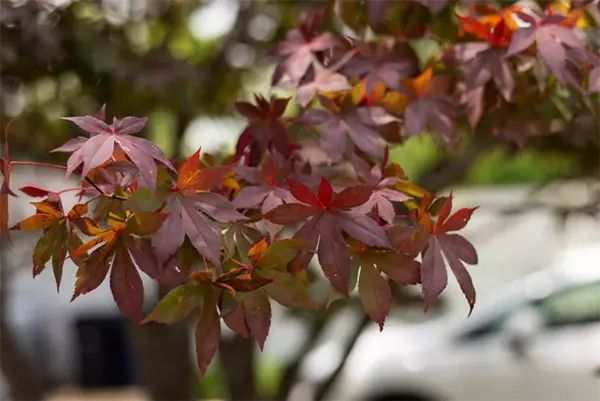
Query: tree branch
{"points": [[292, 370], [326, 385]]}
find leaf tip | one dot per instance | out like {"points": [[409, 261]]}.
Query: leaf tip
{"points": [[75, 295], [202, 371], [426, 306], [471, 307]]}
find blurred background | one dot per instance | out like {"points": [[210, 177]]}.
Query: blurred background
{"points": [[182, 64]]}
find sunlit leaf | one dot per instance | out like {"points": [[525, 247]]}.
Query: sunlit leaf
{"points": [[176, 305], [288, 290], [145, 223], [278, 255]]}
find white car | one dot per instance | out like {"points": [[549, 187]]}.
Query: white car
{"points": [[539, 340]]}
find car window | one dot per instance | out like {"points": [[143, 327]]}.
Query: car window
{"points": [[574, 306], [485, 330]]}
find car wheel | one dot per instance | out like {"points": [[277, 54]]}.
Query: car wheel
{"points": [[400, 397]]}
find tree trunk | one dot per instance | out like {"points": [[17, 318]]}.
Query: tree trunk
{"points": [[24, 382], [165, 360], [237, 357]]}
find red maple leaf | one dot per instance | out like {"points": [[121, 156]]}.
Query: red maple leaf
{"points": [[100, 146], [188, 205], [383, 61], [556, 41], [341, 119], [490, 62], [434, 239], [328, 215], [301, 46], [383, 196], [265, 130], [429, 105], [270, 189]]}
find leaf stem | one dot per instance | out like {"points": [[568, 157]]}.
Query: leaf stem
{"points": [[402, 216], [240, 264], [113, 196], [93, 199], [74, 189]]}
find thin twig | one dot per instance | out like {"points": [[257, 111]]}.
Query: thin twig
{"points": [[589, 208], [37, 164]]}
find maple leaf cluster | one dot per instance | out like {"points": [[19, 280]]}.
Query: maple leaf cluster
{"points": [[316, 187]]}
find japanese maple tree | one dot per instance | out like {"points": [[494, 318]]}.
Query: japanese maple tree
{"points": [[228, 238]]}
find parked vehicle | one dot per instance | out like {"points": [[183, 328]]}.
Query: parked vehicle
{"points": [[538, 340]]}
